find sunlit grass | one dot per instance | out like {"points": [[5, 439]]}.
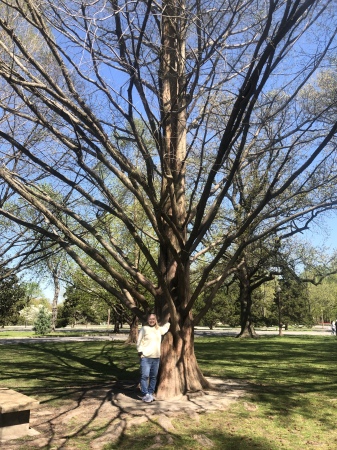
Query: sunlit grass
{"points": [[292, 406], [28, 333]]}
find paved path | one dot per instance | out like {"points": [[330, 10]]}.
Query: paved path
{"points": [[315, 331], [200, 331], [40, 340]]}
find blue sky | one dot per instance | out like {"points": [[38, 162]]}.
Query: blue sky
{"points": [[324, 234]]}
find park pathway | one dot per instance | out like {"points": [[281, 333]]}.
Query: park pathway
{"points": [[88, 334]]}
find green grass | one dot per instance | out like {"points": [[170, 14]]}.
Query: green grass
{"points": [[10, 333], [4, 333], [36, 369], [292, 405]]}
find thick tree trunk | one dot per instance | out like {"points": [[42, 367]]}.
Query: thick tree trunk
{"points": [[133, 334], [55, 299], [248, 331], [116, 326], [247, 327], [179, 371]]}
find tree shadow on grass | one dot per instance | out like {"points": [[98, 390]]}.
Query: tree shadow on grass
{"points": [[198, 439], [287, 374], [45, 368], [84, 376], [299, 363], [76, 421], [75, 384]]}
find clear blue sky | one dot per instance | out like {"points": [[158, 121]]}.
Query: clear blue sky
{"points": [[324, 234]]}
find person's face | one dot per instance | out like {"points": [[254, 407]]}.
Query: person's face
{"points": [[152, 320]]}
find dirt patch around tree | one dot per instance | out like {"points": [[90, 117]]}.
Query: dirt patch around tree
{"points": [[93, 416]]}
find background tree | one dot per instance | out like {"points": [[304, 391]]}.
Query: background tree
{"points": [[12, 299], [293, 297], [34, 300], [80, 307], [112, 310], [322, 299], [92, 72]]}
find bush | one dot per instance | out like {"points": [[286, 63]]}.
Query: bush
{"points": [[42, 324]]}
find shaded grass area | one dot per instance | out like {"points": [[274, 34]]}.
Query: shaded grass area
{"points": [[50, 369], [305, 362], [281, 367], [292, 404]]}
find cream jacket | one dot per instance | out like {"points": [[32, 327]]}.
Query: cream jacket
{"points": [[149, 340]]}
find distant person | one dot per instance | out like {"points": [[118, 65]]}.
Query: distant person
{"points": [[148, 347], [333, 328]]}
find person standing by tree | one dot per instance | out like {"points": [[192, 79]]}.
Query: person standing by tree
{"points": [[148, 347]]}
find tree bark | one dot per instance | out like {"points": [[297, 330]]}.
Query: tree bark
{"points": [[247, 326], [55, 298], [179, 372], [248, 331], [133, 334], [116, 326]]}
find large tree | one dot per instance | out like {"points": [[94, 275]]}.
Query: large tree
{"points": [[189, 112]]}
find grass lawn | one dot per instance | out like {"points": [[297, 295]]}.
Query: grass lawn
{"points": [[7, 333], [293, 404]]}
